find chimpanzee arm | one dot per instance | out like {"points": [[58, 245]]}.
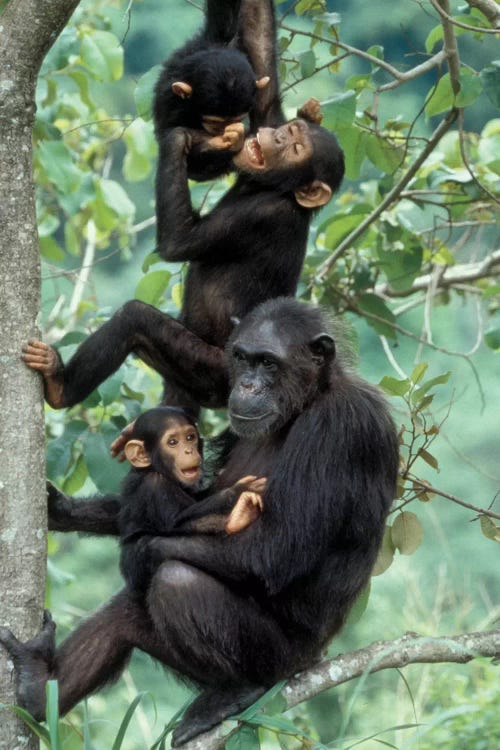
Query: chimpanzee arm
{"points": [[221, 23], [181, 233], [95, 515], [258, 42]]}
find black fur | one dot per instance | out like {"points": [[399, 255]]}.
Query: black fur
{"points": [[237, 613], [223, 84], [248, 249]]}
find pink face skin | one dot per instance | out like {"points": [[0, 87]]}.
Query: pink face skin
{"points": [[275, 148], [179, 444]]}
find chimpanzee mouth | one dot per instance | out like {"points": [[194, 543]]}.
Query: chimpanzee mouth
{"points": [[257, 418], [254, 152], [191, 473]]}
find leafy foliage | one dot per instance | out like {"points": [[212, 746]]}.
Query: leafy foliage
{"points": [[406, 243]]}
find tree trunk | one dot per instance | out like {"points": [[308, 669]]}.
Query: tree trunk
{"points": [[27, 30]]}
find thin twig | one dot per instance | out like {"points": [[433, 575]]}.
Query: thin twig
{"points": [[391, 196], [444, 11], [426, 487]]}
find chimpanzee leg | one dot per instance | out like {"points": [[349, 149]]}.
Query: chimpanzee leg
{"points": [[93, 655], [223, 641], [160, 340]]}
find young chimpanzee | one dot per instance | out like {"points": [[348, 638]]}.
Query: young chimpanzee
{"points": [[165, 453], [207, 85], [248, 249]]}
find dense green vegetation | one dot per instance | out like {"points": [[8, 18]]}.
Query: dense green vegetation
{"points": [[434, 348]]}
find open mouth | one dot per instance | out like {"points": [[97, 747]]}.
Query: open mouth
{"points": [[191, 473], [254, 152]]}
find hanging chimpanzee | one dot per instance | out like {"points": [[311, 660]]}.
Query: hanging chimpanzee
{"points": [[207, 85], [235, 613], [249, 248]]}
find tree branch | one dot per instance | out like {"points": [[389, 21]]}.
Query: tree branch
{"points": [[488, 8], [458, 274], [410, 649], [391, 196], [444, 11]]}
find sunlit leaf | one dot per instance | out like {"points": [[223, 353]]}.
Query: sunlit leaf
{"points": [[489, 528], [406, 533], [102, 55], [246, 738], [395, 387], [428, 458], [152, 287]]}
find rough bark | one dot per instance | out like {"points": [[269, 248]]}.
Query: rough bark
{"points": [[28, 28]]}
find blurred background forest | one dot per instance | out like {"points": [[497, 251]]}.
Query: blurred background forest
{"points": [[97, 246]]}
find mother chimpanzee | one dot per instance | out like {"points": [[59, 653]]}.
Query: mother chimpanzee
{"points": [[236, 613]]}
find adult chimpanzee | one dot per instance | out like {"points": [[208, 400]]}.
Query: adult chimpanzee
{"points": [[249, 248], [207, 85], [164, 451], [236, 613]]}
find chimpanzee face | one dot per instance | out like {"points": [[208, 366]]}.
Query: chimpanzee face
{"points": [[180, 450], [267, 387], [280, 148]]}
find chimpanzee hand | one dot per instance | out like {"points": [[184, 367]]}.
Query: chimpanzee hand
{"points": [[311, 111], [249, 505], [232, 139], [117, 446], [58, 507]]}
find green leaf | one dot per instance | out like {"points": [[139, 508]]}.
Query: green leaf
{"points": [[143, 93], [385, 554], [104, 472], [490, 78], [470, 88], [419, 372], [52, 712], [433, 38], [440, 98], [109, 390], [83, 82], [276, 724], [152, 287], [372, 305], [353, 141], [429, 458], [247, 738], [307, 63], [384, 153], [492, 338], [339, 227], [419, 393], [339, 111], [126, 721], [57, 162], [115, 197], [402, 266], [264, 701], [395, 387], [406, 533], [150, 260], [77, 478], [359, 606], [489, 528], [102, 54], [51, 250], [177, 294]]}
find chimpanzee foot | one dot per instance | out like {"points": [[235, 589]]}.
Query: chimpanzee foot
{"points": [[212, 707], [33, 662], [46, 360]]}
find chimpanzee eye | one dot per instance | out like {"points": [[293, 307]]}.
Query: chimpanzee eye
{"points": [[269, 364], [191, 436], [238, 356], [172, 441]]}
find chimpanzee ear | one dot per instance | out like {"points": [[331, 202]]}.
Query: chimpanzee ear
{"points": [[261, 83], [235, 321], [314, 195], [322, 347], [136, 454], [182, 89]]}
